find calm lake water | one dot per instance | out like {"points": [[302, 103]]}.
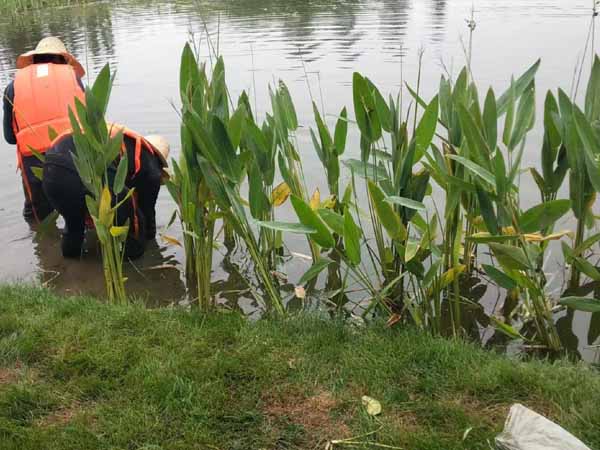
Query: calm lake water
{"points": [[314, 46]]}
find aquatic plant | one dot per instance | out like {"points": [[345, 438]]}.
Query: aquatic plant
{"points": [[211, 140], [97, 147]]}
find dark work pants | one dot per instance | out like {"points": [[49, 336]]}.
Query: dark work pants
{"points": [[37, 207], [66, 193]]}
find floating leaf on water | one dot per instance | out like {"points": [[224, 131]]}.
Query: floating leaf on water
{"points": [[373, 406], [171, 240], [280, 194]]}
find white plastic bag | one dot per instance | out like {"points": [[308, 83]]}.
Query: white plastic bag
{"points": [[527, 430]]}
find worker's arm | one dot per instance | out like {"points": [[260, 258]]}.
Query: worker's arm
{"points": [[7, 103]]}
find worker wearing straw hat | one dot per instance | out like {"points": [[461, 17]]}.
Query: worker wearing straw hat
{"points": [[147, 162], [36, 106]]}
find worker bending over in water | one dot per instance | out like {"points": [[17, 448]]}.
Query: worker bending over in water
{"points": [[46, 83], [147, 160]]}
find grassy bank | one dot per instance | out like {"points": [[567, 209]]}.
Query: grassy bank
{"points": [[76, 374]]}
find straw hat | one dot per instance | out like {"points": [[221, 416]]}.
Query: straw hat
{"points": [[162, 147], [50, 46]]}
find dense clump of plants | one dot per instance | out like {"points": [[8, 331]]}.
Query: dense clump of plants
{"points": [[409, 258], [431, 203]]}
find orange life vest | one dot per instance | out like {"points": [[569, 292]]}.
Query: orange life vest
{"points": [[140, 143], [43, 95]]}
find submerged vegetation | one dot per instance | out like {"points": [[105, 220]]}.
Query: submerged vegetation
{"points": [[77, 374]]}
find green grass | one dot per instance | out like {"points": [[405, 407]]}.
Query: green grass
{"points": [[77, 374]]}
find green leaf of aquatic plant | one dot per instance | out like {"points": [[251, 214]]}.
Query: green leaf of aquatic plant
{"points": [[592, 96], [510, 113], [102, 88], [585, 245], [490, 120], [186, 68], [484, 174], [259, 202], [383, 110], [333, 220], [525, 117], [506, 329], [591, 146], [411, 249], [510, 257], [288, 106], [315, 270], [287, 227], [519, 86], [121, 175], [581, 304], [406, 202], [478, 147], [366, 170], [235, 126], [341, 132], [543, 216], [38, 172], [426, 128], [326, 140], [499, 277], [309, 218], [351, 238], [385, 213], [487, 210], [364, 109]]}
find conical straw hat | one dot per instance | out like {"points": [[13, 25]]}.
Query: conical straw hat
{"points": [[162, 147], [50, 46]]}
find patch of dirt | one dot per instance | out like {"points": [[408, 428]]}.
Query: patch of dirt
{"points": [[60, 417], [314, 414], [9, 375]]}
